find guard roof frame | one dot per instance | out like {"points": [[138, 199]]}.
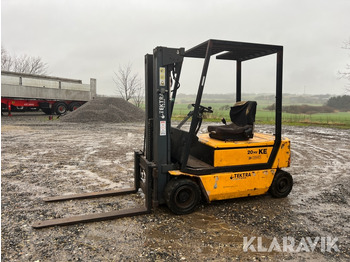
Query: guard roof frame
{"points": [[239, 52]]}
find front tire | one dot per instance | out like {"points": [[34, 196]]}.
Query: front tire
{"points": [[281, 185], [182, 195]]}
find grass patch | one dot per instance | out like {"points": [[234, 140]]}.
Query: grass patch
{"points": [[338, 119]]}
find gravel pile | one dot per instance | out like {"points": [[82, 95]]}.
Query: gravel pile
{"points": [[105, 110]]}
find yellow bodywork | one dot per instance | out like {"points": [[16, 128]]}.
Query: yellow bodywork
{"points": [[254, 151], [232, 185], [228, 185]]}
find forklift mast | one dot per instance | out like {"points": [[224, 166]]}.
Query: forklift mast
{"points": [[162, 72]]}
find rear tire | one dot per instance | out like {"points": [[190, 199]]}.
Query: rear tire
{"points": [[74, 106], [60, 108], [281, 185], [182, 195]]}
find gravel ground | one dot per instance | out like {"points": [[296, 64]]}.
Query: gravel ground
{"points": [[43, 158]]}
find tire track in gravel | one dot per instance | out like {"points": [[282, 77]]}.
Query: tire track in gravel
{"points": [[320, 166], [320, 152], [317, 206]]}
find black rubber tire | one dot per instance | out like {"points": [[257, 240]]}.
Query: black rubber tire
{"points": [[60, 108], [281, 184], [47, 111], [74, 106], [182, 195]]}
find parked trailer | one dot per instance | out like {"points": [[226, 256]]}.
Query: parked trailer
{"points": [[53, 95]]}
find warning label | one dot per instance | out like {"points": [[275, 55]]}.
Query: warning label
{"points": [[162, 76], [162, 128]]}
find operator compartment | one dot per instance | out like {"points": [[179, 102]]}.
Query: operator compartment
{"points": [[218, 153], [242, 115], [235, 144]]}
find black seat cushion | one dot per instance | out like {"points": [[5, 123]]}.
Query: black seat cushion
{"points": [[231, 132]]}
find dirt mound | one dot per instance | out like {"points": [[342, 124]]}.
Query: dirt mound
{"points": [[105, 110]]}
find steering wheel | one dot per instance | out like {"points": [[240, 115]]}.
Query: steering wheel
{"points": [[203, 109]]}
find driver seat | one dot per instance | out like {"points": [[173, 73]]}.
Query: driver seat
{"points": [[242, 115]]}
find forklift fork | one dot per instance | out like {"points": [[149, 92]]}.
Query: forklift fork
{"points": [[145, 183]]}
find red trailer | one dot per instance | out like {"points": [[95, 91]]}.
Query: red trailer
{"points": [[49, 107], [53, 95]]}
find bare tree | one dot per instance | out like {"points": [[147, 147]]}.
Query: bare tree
{"points": [[138, 96], [127, 82], [6, 60], [346, 74], [22, 64]]}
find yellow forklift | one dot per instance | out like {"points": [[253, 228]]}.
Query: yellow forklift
{"points": [[179, 167]]}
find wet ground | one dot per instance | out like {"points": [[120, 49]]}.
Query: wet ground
{"points": [[42, 158]]}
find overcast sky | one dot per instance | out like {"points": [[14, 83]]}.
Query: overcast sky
{"points": [[83, 39]]}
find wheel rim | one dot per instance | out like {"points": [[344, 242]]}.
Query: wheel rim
{"points": [[74, 106], [283, 185], [184, 197], [61, 109]]}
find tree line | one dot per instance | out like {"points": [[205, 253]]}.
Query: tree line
{"points": [[22, 64], [336, 103], [341, 103]]}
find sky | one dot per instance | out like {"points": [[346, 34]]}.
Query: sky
{"points": [[83, 39]]}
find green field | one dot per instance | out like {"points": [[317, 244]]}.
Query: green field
{"points": [[263, 116], [339, 119]]}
